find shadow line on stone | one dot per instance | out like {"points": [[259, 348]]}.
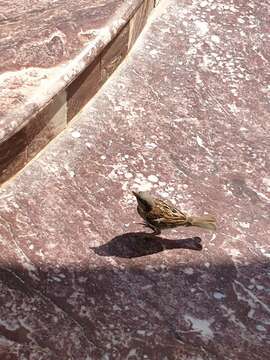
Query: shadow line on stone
{"points": [[83, 300], [137, 244]]}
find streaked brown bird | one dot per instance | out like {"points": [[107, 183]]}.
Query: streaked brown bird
{"points": [[158, 215]]}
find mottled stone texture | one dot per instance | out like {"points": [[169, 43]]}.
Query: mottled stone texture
{"points": [[24, 145], [46, 125], [115, 52], [83, 88], [13, 155], [185, 116], [91, 28], [139, 19]]}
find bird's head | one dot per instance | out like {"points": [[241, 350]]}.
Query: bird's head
{"points": [[144, 199]]}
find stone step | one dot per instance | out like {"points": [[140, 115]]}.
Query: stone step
{"points": [[60, 61], [186, 117]]}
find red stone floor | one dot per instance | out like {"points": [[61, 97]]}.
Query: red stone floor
{"points": [[186, 116]]}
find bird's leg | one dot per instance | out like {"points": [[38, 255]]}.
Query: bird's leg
{"points": [[143, 224], [156, 231]]}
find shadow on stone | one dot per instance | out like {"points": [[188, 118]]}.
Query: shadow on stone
{"points": [[94, 302], [137, 244]]}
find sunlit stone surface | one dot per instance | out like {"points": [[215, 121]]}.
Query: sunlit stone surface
{"points": [[187, 117]]}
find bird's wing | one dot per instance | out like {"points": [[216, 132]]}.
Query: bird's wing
{"points": [[164, 213]]}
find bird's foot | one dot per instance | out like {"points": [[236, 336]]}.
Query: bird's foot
{"points": [[156, 231]]}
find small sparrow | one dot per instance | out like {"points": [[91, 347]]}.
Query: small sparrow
{"points": [[158, 215]]}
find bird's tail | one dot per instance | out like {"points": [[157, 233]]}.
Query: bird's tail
{"points": [[205, 222]]}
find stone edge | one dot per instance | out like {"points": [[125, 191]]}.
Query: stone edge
{"points": [[19, 149]]}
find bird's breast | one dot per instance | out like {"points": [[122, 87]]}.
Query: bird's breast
{"points": [[141, 212]]}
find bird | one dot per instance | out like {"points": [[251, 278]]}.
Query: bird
{"points": [[159, 215]]}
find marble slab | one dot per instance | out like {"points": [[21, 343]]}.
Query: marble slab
{"points": [[68, 54], [186, 116], [44, 45]]}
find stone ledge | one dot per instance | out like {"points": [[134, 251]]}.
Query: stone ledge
{"points": [[78, 277], [38, 102]]}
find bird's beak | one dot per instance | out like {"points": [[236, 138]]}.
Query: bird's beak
{"points": [[135, 194]]}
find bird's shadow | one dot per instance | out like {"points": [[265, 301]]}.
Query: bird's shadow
{"points": [[137, 244]]}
